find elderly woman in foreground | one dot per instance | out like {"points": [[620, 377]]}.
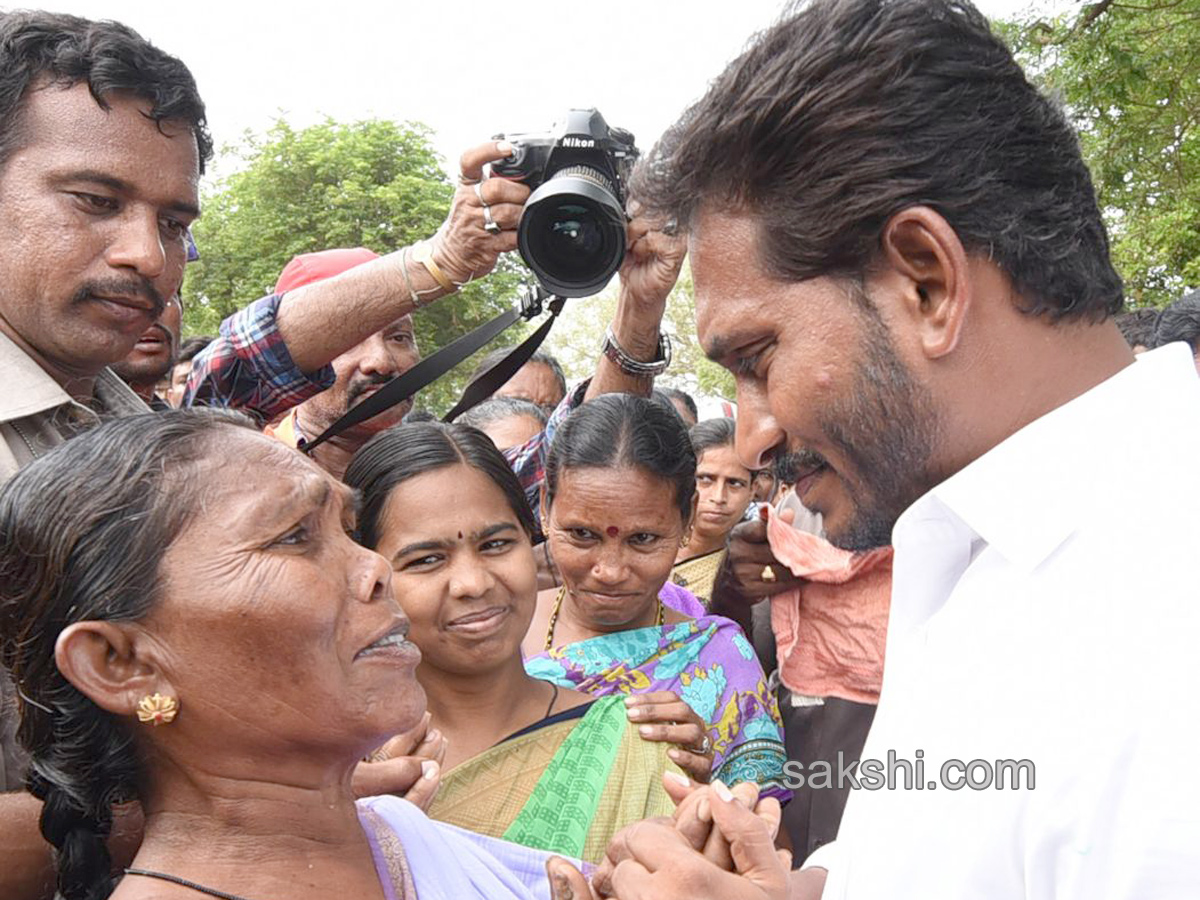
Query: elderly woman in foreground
{"points": [[221, 650]]}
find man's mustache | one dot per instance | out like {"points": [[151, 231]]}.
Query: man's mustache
{"points": [[140, 288], [791, 465], [362, 385]]}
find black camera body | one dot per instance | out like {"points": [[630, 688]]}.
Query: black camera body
{"points": [[572, 229]]}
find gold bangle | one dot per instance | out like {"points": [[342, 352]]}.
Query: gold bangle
{"points": [[423, 253]]}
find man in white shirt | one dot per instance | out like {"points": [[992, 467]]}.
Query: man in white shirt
{"points": [[897, 250]]}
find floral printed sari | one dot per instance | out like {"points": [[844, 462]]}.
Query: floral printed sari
{"points": [[709, 663]]}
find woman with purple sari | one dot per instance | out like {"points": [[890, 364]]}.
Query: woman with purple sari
{"points": [[618, 504]]}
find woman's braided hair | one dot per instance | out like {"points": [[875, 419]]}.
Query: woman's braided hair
{"points": [[82, 532]]}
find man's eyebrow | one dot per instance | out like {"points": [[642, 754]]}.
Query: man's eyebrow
{"points": [[113, 183], [723, 345]]}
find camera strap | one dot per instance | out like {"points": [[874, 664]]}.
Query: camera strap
{"points": [[434, 367]]}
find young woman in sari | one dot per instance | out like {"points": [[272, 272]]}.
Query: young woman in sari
{"points": [[536, 763], [724, 488], [618, 505]]}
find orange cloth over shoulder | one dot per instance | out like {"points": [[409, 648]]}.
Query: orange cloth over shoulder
{"points": [[830, 631]]}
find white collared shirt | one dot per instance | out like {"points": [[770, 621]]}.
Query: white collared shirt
{"points": [[1046, 607]]}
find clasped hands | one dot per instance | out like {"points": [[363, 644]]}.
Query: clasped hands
{"points": [[719, 845]]}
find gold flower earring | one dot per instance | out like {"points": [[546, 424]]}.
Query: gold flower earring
{"points": [[155, 709]]}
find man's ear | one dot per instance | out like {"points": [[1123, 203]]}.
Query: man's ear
{"points": [[924, 251], [102, 661]]}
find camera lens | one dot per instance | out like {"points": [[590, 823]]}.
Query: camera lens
{"points": [[572, 232]]}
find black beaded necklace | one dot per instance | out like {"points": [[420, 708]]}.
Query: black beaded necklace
{"points": [[183, 882]]}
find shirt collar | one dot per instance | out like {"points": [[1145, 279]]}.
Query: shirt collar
{"points": [[116, 396], [29, 389], [1027, 495]]}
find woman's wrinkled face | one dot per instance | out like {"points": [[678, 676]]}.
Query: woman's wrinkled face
{"points": [[614, 534], [723, 489], [462, 568], [276, 628]]}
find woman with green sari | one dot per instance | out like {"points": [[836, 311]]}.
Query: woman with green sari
{"points": [[535, 763]]}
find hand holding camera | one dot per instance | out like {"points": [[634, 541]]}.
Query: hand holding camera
{"points": [[572, 231], [560, 198], [483, 217]]}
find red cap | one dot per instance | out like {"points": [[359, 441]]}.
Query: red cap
{"points": [[310, 267]]}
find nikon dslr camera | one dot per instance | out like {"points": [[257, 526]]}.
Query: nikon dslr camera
{"points": [[572, 230]]}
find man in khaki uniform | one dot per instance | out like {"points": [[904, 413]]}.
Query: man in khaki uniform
{"points": [[36, 413]]}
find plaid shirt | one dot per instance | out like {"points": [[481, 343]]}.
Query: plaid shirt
{"points": [[249, 367], [528, 460]]}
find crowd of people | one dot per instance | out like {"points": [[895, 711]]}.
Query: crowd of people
{"points": [[582, 642]]}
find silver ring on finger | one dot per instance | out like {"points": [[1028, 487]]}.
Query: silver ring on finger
{"points": [[465, 181], [704, 749], [489, 224]]}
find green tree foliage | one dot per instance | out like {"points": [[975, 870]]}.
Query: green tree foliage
{"points": [[1129, 73], [373, 183]]}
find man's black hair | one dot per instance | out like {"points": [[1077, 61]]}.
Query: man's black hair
{"points": [[850, 111], [541, 357], [683, 397], [191, 348], [1138, 326], [498, 408], [1181, 322], [41, 48]]}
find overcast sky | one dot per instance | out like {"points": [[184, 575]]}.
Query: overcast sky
{"points": [[468, 69]]}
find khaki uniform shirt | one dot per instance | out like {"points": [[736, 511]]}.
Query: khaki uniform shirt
{"points": [[36, 415]]}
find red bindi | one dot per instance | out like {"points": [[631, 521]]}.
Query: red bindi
{"points": [[613, 530]]}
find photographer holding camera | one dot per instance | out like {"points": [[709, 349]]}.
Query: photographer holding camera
{"points": [[312, 352], [277, 353]]}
